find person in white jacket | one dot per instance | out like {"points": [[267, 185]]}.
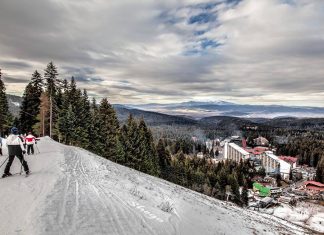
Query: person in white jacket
{"points": [[15, 148]]}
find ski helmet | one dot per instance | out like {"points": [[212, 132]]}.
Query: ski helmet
{"points": [[14, 130]]}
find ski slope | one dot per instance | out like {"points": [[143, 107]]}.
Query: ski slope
{"points": [[72, 191]]}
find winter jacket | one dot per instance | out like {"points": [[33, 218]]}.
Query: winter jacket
{"points": [[30, 139], [15, 145]]}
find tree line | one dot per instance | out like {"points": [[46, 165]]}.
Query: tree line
{"points": [[224, 180]]}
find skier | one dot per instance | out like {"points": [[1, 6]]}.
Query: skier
{"points": [[15, 148], [30, 141]]}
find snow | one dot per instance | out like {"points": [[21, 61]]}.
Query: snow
{"points": [[72, 191], [305, 214], [16, 103]]}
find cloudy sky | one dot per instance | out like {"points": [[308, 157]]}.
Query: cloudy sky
{"points": [[248, 51]]}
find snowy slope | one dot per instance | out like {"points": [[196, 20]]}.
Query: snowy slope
{"points": [[72, 191]]}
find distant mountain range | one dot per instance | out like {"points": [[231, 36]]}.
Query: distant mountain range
{"points": [[199, 110], [217, 114], [152, 118], [194, 121], [217, 122]]}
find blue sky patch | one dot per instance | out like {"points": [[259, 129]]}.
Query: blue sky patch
{"points": [[207, 6], [199, 32], [193, 52], [202, 18], [208, 43], [234, 2]]}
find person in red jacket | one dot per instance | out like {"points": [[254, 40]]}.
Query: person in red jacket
{"points": [[30, 141]]}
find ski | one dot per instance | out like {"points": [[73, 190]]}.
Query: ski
{"points": [[6, 176], [26, 175]]}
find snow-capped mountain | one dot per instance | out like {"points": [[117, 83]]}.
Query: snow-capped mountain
{"points": [[223, 108], [72, 191]]}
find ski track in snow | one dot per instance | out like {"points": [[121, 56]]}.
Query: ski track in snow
{"points": [[72, 191], [87, 204]]}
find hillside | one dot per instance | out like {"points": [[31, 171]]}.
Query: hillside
{"points": [[72, 191], [151, 118]]}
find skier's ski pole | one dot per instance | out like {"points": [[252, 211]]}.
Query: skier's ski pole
{"points": [[21, 163], [37, 148], [4, 162]]}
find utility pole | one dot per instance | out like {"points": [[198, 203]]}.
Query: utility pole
{"points": [[43, 123]]}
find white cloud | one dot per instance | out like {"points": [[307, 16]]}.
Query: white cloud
{"points": [[272, 51]]}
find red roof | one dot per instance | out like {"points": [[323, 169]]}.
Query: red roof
{"points": [[288, 159], [314, 183], [315, 188], [257, 150]]}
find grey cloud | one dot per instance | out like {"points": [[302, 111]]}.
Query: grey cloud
{"points": [[83, 70], [15, 64], [14, 80], [138, 50], [149, 90], [88, 79], [83, 74]]}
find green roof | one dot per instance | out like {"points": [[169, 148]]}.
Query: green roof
{"points": [[263, 191]]}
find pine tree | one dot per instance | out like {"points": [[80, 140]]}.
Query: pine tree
{"points": [[59, 99], [55, 98], [234, 187], [278, 179], [147, 151], [52, 81], [76, 112], [5, 116], [218, 191], [65, 123], [222, 178], [123, 146], [83, 124], [132, 144], [95, 132], [108, 130], [65, 86], [73, 93], [30, 106], [163, 156], [245, 196]]}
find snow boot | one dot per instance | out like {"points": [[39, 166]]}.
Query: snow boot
{"points": [[6, 175]]}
